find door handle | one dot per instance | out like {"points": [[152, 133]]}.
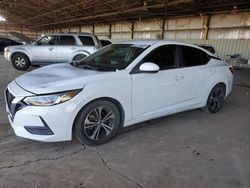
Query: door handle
{"points": [[51, 48], [178, 77], [73, 48]]}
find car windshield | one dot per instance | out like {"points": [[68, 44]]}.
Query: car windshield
{"points": [[113, 57]]}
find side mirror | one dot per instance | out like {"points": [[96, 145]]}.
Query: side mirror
{"points": [[149, 67]]}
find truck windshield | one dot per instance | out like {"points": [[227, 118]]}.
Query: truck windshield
{"points": [[113, 57]]}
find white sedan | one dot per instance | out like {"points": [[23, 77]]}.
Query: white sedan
{"points": [[119, 85]]}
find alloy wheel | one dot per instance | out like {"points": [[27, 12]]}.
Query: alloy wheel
{"points": [[20, 62], [99, 123], [216, 99]]}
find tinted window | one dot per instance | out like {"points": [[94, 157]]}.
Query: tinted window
{"points": [[87, 41], [209, 48], [163, 56], [67, 40], [205, 57], [6, 41], [190, 57], [47, 40], [105, 42]]}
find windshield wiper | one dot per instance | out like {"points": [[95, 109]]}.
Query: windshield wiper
{"points": [[88, 67]]}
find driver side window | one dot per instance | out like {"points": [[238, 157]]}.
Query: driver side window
{"points": [[163, 56], [47, 40]]}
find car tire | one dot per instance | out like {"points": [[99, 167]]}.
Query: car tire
{"points": [[97, 123], [20, 62], [215, 99], [37, 66]]}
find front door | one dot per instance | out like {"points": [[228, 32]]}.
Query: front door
{"points": [[162, 92], [44, 50]]}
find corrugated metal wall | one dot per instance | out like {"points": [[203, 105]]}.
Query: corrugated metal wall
{"points": [[228, 33]]}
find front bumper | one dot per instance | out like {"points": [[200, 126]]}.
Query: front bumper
{"points": [[7, 56], [48, 124]]}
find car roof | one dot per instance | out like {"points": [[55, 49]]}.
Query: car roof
{"points": [[153, 42], [70, 34], [162, 42]]}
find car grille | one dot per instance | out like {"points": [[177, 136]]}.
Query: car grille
{"points": [[13, 107]]}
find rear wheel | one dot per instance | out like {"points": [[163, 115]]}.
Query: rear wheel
{"points": [[97, 123], [79, 57], [20, 61], [215, 99]]}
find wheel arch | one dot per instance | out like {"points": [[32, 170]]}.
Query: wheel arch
{"points": [[223, 84], [82, 52], [19, 52], [211, 87], [113, 100], [218, 83]]}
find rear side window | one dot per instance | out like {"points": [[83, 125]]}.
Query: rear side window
{"points": [[163, 56], [87, 41], [191, 57], [205, 58], [67, 40]]}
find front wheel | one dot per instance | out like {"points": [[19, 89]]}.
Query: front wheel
{"points": [[215, 99], [20, 61], [97, 123]]}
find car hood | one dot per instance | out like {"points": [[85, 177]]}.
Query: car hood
{"points": [[55, 78]]}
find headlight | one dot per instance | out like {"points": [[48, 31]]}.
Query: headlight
{"points": [[51, 99], [6, 49]]}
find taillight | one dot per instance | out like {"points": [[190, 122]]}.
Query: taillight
{"points": [[231, 69]]}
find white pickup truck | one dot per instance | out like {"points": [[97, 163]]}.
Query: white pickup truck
{"points": [[52, 48]]}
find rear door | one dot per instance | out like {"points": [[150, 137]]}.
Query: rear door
{"points": [[192, 73], [44, 50], [67, 47]]}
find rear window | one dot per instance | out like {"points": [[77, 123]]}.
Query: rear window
{"points": [[209, 48], [87, 41]]}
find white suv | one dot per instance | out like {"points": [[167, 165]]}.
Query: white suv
{"points": [[117, 86], [53, 48]]}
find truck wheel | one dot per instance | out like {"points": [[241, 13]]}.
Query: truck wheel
{"points": [[20, 62], [79, 57]]}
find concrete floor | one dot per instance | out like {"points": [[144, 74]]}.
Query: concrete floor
{"points": [[189, 149]]}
